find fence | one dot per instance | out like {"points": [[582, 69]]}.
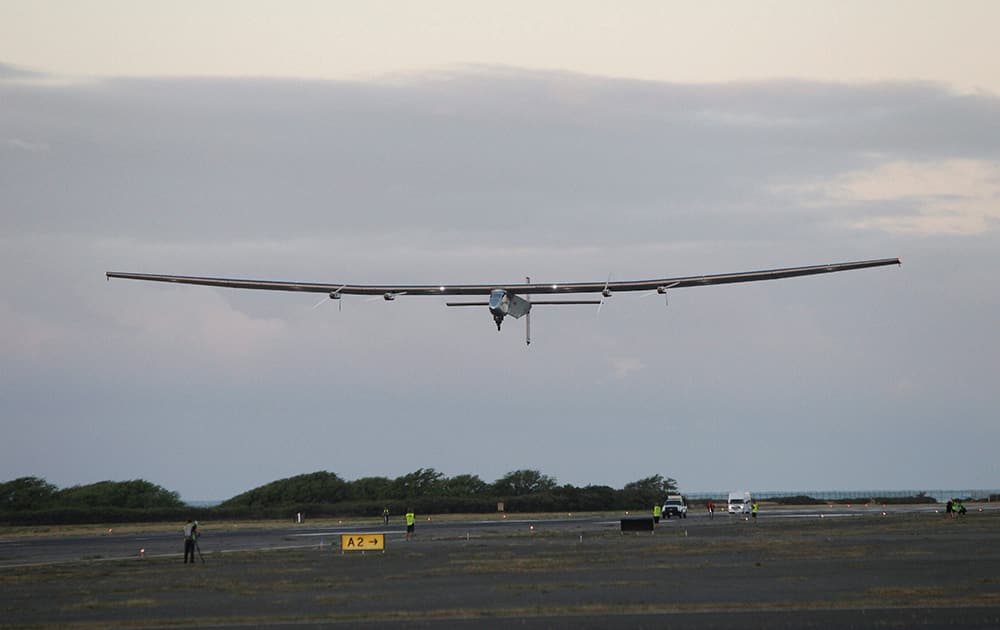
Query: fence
{"points": [[835, 495]]}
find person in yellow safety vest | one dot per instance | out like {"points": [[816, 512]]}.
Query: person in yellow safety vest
{"points": [[385, 515], [657, 512], [753, 509], [411, 520]]}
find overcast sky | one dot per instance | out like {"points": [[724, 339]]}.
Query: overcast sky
{"points": [[446, 142]]}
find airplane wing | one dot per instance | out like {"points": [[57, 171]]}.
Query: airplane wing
{"points": [[389, 291]]}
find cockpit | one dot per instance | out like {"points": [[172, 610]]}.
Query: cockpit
{"points": [[498, 305], [498, 301]]}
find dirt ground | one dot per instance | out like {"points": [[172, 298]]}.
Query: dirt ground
{"points": [[907, 570]]}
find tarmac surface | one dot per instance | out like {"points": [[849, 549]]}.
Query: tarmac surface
{"points": [[805, 568]]}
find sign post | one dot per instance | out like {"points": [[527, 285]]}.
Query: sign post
{"points": [[362, 542]]}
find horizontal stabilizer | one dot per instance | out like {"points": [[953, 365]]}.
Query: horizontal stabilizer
{"points": [[533, 303]]}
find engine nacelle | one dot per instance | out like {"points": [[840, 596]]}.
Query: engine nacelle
{"points": [[389, 297]]}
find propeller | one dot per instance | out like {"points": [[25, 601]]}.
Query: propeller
{"points": [[662, 291], [333, 295], [605, 293], [387, 296]]}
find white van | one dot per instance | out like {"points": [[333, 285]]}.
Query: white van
{"points": [[739, 502]]}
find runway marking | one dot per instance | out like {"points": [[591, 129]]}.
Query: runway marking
{"points": [[149, 556], [339, 532], [818, 515]]}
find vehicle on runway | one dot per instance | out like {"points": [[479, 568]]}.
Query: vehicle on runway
{"points": [[740, 502], [505, 299], [675, 505]]}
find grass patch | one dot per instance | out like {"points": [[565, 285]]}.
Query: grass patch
{"points": [[93, 603]]}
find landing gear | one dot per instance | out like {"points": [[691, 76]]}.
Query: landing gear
{"points": [[498, 318]]}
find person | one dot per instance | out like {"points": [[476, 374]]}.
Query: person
{"points": [[190, 537], [753, 510], [385, 515], [711, 510], [657, 511], [949, 508], [960, 507], [411, 520]]}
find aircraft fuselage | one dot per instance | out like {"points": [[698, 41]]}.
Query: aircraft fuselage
{"points": [[504, 302]]}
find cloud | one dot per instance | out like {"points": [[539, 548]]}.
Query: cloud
{"points": [[222, 334], [475, 156], [11, 72], [624, 367], [957, 197], [25, 145], [26, 336], [488, 175]]}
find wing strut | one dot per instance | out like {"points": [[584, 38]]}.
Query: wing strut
{"points": [[527, 317]]}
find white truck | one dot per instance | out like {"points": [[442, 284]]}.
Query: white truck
{"points": [[675, 505], [740, 502]]}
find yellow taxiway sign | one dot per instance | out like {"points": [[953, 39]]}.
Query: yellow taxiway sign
{"points": [[362, 542]]}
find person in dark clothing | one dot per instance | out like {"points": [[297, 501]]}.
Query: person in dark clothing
{"points": [[190, 536]]}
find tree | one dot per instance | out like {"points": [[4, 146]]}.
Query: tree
{"points": [[648, 491], [464, 486], [421, 482], [521, 482], [137, 493], [370, 488], [596, 498], [656, 483], [317, 487], [26, 493]]}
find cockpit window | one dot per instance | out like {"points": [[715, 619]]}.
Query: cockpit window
{"points": [[496, 298]]}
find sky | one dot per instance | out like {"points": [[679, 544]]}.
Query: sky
{"points": [[456, 142]]}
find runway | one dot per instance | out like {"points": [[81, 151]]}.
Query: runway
{"points": [[106, 545], [791, 568]]}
